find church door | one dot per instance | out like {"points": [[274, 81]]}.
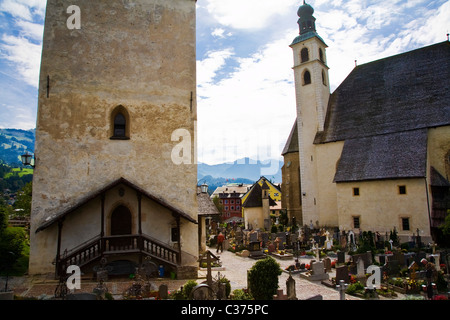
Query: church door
{"points": [[121, 225]]}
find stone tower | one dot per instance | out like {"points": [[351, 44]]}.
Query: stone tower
{"points": [[116, 98], [312, 95]]}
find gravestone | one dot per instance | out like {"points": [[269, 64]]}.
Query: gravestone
{"points": [[365, 257], [318, 272], [163, 292], [290, 288], [400, 257], [341, 257], [255, 250], [265, 239], [239, 237], [271, 248], [327, 264], [342, 274], [360, 271], [253, 237], [393, 267], [409, 258], [282, 237], [280, 295], [419, 256]]}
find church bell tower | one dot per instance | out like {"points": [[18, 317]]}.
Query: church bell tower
{"points": [[312, 95], [116, 95]]}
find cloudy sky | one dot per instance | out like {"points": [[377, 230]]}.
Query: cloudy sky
{"points": [[246, 96]]}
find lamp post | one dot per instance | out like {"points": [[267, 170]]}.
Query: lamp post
{"points": [[26, 159], [204, 188]]}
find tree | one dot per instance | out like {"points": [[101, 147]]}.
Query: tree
{"points": [[263, 279], [445, 227], [12, 241], [24, 200], [219, 206]]}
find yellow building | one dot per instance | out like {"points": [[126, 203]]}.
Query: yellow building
{"points": [[374, 154], [274, 191]]}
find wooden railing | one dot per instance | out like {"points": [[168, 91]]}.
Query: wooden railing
{"points": [[98, 246]]}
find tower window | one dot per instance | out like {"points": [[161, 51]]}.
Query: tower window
{"points": [[321, 55], [324, 78], [120, 124], [356, 223], [306, 78], [356, 192], [304, 54], [405, 224]]}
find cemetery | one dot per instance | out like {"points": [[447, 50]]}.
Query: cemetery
{"points": [[349, 260], [364, 265]]}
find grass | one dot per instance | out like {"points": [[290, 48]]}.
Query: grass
{"points": [[20, 173]]}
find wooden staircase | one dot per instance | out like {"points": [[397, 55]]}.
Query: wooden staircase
{"points": [[99, 247]]}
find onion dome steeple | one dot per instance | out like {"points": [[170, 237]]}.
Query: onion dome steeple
{"points": [[307, 22]]}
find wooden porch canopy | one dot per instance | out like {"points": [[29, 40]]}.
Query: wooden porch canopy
{"points": [[60, 216]]}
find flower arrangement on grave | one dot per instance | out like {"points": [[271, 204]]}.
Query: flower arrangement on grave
{"points": [[333, 264], [292, 267]]}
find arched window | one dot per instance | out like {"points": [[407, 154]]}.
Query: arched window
{"points": [[304, 54], [120, 124], [321, 55], [306, 78]]}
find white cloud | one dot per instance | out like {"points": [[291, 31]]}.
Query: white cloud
{"points": [[16, 9], [26, 57], [207, 69], [245, 114], [23, 51], [220, 33], [248, 14], [31, 30]]}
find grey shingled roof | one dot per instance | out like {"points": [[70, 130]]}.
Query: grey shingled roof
{"points": [[404, 92], [437, 179], [394, 155], [254, 199], [206, 206]]}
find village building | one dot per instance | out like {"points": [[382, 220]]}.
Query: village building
{"points": [[230, 200], [274, 190], [117, 94], [256, 208], [375, 154]]}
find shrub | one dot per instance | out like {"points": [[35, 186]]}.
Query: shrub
{"points": [[356, 287], [187, 288], [263, 279], [240, 294]]}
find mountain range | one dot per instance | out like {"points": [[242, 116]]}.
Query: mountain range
{"points": [[243, 168], [14, 143]]}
